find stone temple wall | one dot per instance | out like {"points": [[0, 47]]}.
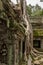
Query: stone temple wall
{"points": [[37, 25]]}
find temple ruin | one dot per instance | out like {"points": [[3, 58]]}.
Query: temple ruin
{"points": [[15, 33]]}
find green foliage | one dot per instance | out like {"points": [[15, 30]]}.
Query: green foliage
{"points": [[38, 32], [34, 10], [17, 27], [29, 11], [11, 23], [38, 13], [35, 33]]}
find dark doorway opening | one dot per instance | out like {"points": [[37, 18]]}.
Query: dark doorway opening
{"points": [[23, 46], [36, 43]]}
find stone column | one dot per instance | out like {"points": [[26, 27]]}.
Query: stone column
{"points": [[16, 52], [10, 55], [21, 48]]}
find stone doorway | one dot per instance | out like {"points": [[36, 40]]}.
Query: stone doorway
{"points": [[37, 43]]}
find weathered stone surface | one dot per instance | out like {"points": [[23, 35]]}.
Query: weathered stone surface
{"points": [[14, 33]]}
